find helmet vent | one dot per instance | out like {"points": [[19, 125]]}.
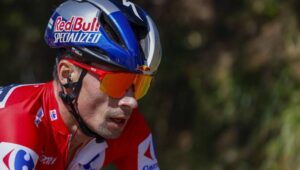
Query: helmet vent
{"points": [[104, 20]]}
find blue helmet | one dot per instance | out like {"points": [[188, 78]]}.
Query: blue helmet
{"points": [[118, 33]]}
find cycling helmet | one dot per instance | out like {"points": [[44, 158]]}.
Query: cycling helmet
{"points": [[119, 33]]}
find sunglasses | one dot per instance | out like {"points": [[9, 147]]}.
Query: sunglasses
{"points": [[116, 83]]}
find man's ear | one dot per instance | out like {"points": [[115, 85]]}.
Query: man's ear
{"points": [[67, 70]]}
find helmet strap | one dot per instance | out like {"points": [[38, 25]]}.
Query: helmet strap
{"points": [[71, 101]]}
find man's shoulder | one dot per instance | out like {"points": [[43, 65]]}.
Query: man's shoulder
{"points": [[16, 93], [20, 115], [19, 122], [20, 104], [18, 136]]}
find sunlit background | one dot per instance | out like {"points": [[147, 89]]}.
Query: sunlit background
{"points": [[227, 95]]}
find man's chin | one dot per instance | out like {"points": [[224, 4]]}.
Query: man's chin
{"points": [[111, 134]]}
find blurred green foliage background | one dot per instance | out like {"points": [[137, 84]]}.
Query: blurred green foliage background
{"points": [[227, 92]]}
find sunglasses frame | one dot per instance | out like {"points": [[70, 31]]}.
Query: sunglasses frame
{"points": [[102, 73]]}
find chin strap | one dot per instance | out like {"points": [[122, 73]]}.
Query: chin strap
{"points": [[71, 101]]}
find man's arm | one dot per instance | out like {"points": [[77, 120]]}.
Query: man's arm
{"points": [[18, 137]]}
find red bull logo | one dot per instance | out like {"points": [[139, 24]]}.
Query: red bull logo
{"points": [[76, 24]]}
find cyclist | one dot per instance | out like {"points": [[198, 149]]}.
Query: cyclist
{"points": [[87, 117]]}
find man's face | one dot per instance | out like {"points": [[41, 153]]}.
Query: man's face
{"points": [[104, 115]]}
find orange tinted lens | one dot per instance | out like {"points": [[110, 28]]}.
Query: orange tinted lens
{"points": [[141, 85], [116, 84]]}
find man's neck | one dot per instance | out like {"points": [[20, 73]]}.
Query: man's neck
{"points": [[68, 118]]}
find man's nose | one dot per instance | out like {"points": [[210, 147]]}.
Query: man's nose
{"points": [[128, 100]]}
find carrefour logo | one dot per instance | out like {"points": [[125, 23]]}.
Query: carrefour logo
{"points": [[76, 30], [17, 157]]}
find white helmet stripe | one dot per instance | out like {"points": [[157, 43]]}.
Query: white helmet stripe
{"points": [[130, 4], [154, 53], [107, 6]]}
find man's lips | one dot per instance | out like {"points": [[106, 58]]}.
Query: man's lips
{"points": [[117, 121]]}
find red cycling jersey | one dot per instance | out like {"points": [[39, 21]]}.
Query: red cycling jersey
{"points": [[34, 136]]}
